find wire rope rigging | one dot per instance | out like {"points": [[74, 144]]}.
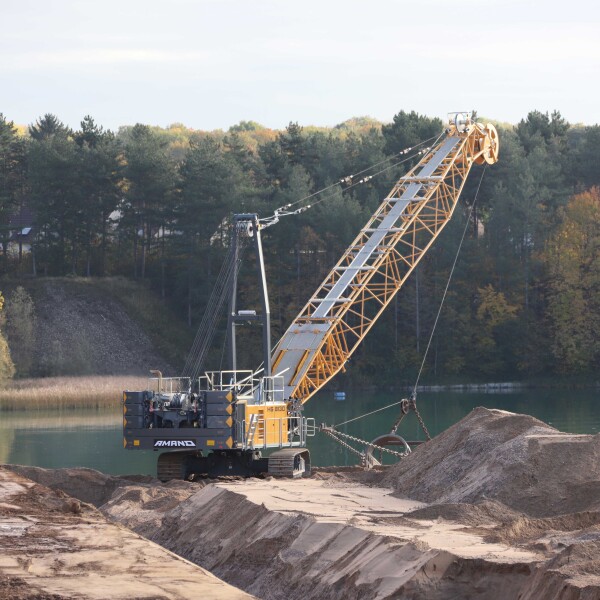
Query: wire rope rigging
{"points": [[406, 404]]}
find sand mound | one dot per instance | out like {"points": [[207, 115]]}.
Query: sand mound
{"points": [[515, 459], [143, 507], [328, 538], [54, 547], [484, 513], [88, 485]]}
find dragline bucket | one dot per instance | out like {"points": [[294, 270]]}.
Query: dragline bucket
{"points": [[337, 317]]}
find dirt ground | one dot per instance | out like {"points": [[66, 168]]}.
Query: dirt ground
{"points": [[54, 547], [499, 506]]}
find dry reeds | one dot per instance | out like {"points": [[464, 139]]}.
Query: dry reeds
{"points": [[67, 392]]}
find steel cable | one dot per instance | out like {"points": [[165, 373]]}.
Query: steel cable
{"points": [[437, 317]]}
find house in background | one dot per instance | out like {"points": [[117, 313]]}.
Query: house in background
{"points": [[20, 232]]}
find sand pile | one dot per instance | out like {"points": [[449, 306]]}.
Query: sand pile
{"points": [[513, 511], [515, 459], [86, 484], [55, 547]]}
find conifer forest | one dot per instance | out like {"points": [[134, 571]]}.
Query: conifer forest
{"points": [[152, 204]]}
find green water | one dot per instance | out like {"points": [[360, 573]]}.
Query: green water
{"points": [[94, 439]]}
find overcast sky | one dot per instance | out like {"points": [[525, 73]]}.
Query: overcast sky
{"points": [[211, 63]]}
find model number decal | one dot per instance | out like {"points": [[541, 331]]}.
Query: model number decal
{"points": [[174, 444]]}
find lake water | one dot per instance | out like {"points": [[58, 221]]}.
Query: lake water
{"points": [[94, 439]]}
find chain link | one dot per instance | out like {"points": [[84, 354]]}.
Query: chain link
{"points": [[344, 444], [406, 406], [413, 405], [334, 435]]}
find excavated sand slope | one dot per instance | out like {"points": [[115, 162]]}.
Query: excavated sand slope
{"points": [[330, 537], [516, 459], [512, 514], [53, 547]]}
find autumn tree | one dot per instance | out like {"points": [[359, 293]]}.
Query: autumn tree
{"points": [[572, 261], [7, 367], [20, 327]]}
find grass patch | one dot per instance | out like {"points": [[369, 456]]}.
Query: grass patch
{"points": [[58, 393]]}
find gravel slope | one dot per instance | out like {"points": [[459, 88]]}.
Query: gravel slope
{"points": [[80, 331]]}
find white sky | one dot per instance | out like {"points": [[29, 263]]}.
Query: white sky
{"points": [[212, 63]]}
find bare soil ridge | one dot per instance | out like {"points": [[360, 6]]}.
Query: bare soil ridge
{"points": [[55, 547], [499, 506]]}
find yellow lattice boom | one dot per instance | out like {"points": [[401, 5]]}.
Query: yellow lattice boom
{"points": [[334, 321]]}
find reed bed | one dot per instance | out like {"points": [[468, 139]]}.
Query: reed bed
{"points": [[82, 418], [52, 393]]}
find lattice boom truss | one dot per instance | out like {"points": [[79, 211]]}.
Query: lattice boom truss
{"points": [[356, 291]]}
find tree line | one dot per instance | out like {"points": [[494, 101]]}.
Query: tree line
{"points": [[152, 203]]}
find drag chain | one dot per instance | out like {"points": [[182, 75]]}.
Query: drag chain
{"points": [[336, 435]]}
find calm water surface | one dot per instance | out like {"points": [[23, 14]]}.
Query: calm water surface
{"points": [[93, 438]]}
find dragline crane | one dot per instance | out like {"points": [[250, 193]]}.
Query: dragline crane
{"points": [[220, 421]]}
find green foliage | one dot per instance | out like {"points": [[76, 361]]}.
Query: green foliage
{"points": [[245, 126], [48, 126], [154, 203], [12, 175], [540, 128], [409, 129], [20, 327], [7, 367]]}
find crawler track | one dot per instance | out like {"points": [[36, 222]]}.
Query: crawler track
{"points": [[171, 465]]}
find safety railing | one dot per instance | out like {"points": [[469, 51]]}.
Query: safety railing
{"points": [[239, 381], [275, 432], [169, 385], [246, 385]]}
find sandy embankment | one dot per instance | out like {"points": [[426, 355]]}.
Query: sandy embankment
{"points": [[54, 547], [503, 507]]}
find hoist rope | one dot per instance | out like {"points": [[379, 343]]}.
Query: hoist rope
{"points": [[198, 338], [368, 414], [437, 317], [210, 319], [404, 151], [423, 152], [223, 273]]}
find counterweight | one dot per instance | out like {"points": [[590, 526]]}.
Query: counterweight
{"points": [[337, 317]]}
